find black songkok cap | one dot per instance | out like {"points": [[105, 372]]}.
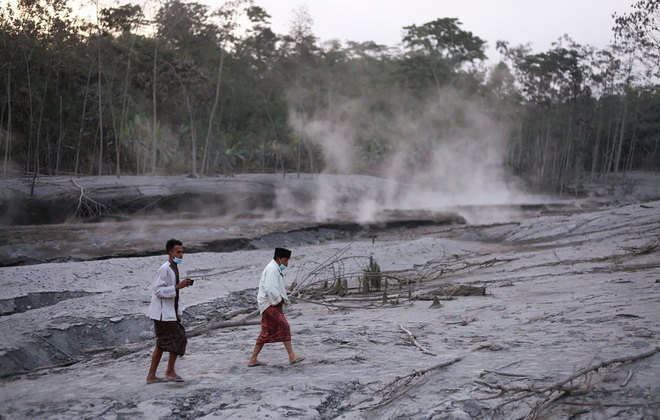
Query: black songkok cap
{"points": [[282, 253]]}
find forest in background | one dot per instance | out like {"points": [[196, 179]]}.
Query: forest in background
{"points": [[185, 89]]}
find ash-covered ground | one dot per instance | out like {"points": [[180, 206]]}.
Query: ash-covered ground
{"points": [[566, 325]]}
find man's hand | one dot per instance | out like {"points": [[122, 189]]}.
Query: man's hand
{"points": [[183, 283]]}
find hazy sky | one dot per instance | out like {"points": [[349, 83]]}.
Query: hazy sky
{"points": [[539, 22]]}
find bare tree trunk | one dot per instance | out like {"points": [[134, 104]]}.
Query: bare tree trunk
{"points": [[49, 161], [216, 100], [193, 136], [279, 153], [154, 141], [191, 119], [116, 134], [311, 159], [596, 149], [631, 154], [265, 143], [579, 168], [544, 155], [36, 151], [262, 158], [59, 141], [622, 132], [82, 119], [124, 111], [300, 110], [100, 102], [9, 124], [519, 155], [564, 175], [30, 119], [607, 162], [554, 168]]}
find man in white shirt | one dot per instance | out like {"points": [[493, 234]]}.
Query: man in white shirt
{"points": [[166, 310], [270, 298]]}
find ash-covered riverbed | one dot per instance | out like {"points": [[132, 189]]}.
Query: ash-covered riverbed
{"points": [[570, 286]]}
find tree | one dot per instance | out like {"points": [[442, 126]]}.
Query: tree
{"points": [[639, 32], [229, 14], [642, 25], [258, 113], [301, 62], [438, 50], [122, 20]]}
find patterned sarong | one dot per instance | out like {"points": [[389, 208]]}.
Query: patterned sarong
{"points": [[274, 326], [171, 336]]}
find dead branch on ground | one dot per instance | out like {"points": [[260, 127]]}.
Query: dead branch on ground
{"points": [[331, 277], [553, 392], [223, 323], [623, 359], [451, 290], [648, 248], [330, 306], [231, 314], [494, 261], [497, 372], [419, 346], [631, 372], [402, 384]]}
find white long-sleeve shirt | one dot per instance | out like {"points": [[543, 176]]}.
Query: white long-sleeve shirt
{"points": [[164, 293], [271, 287]]}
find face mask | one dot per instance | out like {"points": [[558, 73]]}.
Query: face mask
{"points": [[282, 267], [176, 260]]}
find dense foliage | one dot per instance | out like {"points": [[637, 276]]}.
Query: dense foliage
{"points": [[195, 90]]}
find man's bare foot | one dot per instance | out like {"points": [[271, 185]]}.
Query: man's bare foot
{"points": [[257, 363], [154, 380]]}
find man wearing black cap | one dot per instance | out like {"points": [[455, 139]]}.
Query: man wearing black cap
{"points": [[272, 295]]}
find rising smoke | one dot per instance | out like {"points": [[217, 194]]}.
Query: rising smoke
{"points": [[444, 153]]}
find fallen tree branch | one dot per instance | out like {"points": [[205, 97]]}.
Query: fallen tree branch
{"points": [[497, 372], [492, 262], [329, 306], [557, 385], [557, 390], [96, 350], [631, 372], [70, 357], [231, 314], [648, 248], [402, 384], [213, 325], [419, 346], [192, 332]]}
